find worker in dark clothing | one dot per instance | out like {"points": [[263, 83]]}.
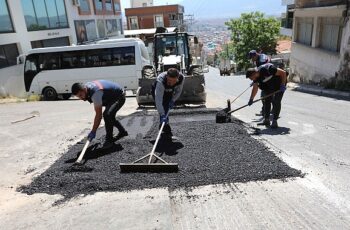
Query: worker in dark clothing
{"points": [[103, 94], [259, 59], [166, 90], [269, 79]]}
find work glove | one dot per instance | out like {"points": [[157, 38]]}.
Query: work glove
{"points": [[251, 101], [164, 118], [283, 88], [92, 135], [171, 104]]}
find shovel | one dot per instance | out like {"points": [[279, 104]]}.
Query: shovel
{"points": [[225, 116]]}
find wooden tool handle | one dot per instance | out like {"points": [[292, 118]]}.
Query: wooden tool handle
{"points": [[271, 94], [81, 156]]}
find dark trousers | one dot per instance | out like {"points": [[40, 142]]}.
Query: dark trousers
{"points": [[110, 120], [167, 128], [166, 100], [275, 100]]}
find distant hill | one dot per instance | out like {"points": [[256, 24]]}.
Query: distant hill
{"points": [[230, 8]]}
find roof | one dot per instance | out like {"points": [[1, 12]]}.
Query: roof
{"points": [[146, 31]]}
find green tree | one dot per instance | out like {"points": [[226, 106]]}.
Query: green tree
{"points": [[253, 31], [227, 51]]}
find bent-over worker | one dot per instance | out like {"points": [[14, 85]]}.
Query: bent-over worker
{"points": [[166, 90], [269, 79], [103, 93]]}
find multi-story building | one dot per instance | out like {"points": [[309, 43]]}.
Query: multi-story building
{"points": [[140, 3], [155, 16], [27, 24], [321, 48], [94, 19]]}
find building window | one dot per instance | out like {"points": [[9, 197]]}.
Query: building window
{"points": [[63, 41], [44, 14], [305, 30], [84, 7], [98, 5], [330, 34], [158, 21], [112, 27], [5, 18], [101, 28], [85, 30], [117, 8], [134, 25], [109, 5], [8, 55]]}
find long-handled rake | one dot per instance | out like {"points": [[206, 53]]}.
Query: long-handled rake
{"points": [[150, 166]]}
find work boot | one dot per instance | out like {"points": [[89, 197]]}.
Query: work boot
{"points": [[107, 145], [274, 124], [266, 122], [123, 133]]}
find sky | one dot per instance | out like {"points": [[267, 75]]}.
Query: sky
{"points": [[222, 8]]}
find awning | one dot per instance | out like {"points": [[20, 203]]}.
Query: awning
{"points": [[146, 31]]}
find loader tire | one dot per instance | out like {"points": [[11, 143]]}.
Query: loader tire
{"points": [[149, 73], [197, 72]]}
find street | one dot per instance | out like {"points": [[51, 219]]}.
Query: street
{"points": [[313, 138]]}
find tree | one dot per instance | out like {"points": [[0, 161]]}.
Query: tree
{"points": [[253, 31], [227, 51]]}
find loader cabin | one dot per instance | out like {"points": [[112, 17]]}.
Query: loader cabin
{"points": [[171, 50]]}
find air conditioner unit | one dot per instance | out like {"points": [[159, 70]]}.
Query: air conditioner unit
{"points": [[76, 2]]}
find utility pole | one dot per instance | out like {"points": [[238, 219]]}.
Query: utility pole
{"points": [[189, 21]]}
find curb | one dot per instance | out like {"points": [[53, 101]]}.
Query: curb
{"points": [[320, 91]]}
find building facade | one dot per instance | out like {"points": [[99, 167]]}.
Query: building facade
{"points": [[95, 19], [155, 16], [320, 50], [140, 3], [27, 24]]}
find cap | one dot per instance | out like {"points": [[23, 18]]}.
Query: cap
{"points": [[252, 53]]}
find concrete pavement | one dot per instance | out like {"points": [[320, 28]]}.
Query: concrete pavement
{"points": [[314, 140]]}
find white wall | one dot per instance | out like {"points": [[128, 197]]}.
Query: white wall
{"points": [[139, 3], [21, 36], [309, 63]]}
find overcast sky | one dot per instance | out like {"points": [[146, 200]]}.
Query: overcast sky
{"points": [[222, 8]]}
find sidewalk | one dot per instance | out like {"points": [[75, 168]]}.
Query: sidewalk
{"points": [[317, 90]]}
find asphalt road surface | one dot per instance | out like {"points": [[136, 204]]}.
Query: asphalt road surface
{"points": [[313, 138]]}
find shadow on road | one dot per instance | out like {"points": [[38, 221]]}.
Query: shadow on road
{"points": [[168, 147], [272, 132], [94, 152]]}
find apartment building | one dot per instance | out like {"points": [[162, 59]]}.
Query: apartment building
{"points": [[155, 16], [320, 49], [95, 19], [27, 24]]}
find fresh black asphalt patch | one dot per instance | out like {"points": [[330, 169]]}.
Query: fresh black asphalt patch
{"points": [[207, 153]]}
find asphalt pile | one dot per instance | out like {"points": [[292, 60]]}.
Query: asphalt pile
{"points": [[207, 153]]}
